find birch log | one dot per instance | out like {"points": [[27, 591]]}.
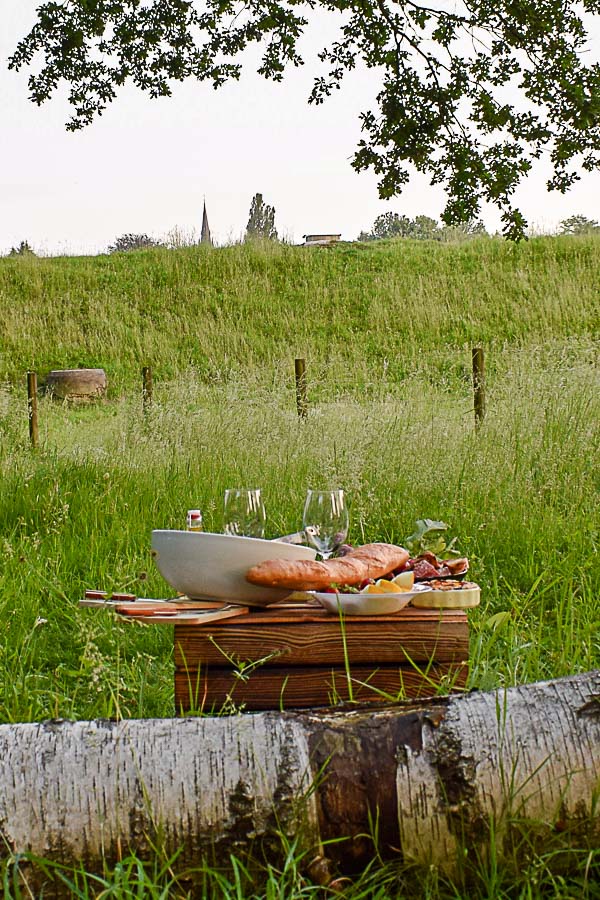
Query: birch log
{"points": [[438, 776]]}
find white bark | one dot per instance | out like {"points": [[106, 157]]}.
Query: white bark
{"points": [[438, 772], [501, 758], [78, 790]]}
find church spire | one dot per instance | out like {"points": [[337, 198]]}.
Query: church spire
{"points": [[205, 237]]}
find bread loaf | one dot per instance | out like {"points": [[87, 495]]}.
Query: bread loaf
{"points": [[369, 561]]}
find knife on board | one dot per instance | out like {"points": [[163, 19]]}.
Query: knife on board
{"points": [[147, 609], [102, 599]]}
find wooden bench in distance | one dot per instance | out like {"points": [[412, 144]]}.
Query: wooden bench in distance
{"points": [[299, 656]]}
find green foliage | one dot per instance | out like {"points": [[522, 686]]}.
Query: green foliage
{"points": [[441, 107], [421, 228], [261, 221], [431, 536], [128, 242], [579, 225], [22, 250], [390, 419], [520, 492], [547, 875]]}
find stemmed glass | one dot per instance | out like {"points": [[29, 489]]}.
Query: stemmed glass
{"points": [[325, 521], [244, 513]]}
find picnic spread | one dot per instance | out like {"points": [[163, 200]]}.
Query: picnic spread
{"points": [[265, 625]]}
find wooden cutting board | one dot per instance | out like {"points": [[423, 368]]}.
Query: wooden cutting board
{"points": [[170, 614], [156, 611]]}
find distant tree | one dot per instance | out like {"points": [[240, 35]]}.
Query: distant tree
{"points": [[474, 228], [22, 250], [391, 225], [578, 225], [261, 220], [387, 225], [421, 228], [128, 242]]}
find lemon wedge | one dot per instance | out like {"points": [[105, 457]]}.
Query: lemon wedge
{"points": [[388, 586], [405, 580], [374, 589], [383, 587]]}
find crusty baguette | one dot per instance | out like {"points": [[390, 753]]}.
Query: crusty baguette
{"points": [[369, 561]]}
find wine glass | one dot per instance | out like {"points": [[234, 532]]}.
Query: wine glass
{"points": [[325, 521], [244, 513]]}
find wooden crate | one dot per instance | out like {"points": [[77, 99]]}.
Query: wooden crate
{"points": [[299, 656]]}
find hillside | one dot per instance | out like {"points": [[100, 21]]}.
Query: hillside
{"points": [[371, 307]]}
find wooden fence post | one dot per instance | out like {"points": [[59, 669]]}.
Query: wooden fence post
{"points": [[301, 394], [32, 412], [146, 388], [478, 383]]}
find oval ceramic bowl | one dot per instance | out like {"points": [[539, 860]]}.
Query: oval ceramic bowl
{"points": [[466, 596], [206, 566], [369, 604]]}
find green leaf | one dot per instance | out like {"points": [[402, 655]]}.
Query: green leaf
{"points": [[498, 620], [430, 537]]}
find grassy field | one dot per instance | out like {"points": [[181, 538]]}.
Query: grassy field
{"points": [[369, 311], [386, 330]]}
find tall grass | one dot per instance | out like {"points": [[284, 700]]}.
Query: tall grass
{"points": [[386, 330], [374, 308], [520, 492]]}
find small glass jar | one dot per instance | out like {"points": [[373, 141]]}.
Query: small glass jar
{"points": [[194, 520]]}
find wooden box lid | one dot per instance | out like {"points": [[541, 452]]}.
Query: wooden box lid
{"points": [[303, 635]]}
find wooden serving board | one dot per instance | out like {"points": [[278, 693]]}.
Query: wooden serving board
{"points": [[168, 612], [102, 600], [196, 616]]}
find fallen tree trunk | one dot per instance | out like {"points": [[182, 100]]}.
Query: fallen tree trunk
{"points": [[438, 777]]}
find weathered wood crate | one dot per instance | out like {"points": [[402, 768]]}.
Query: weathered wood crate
{"points": [[299, 656]]}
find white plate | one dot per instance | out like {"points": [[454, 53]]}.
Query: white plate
{"points": [[369, 604]]}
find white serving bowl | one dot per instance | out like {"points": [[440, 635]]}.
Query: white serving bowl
{"points": [[206, 566], [369, 604]]}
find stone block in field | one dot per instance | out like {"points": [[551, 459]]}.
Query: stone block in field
{"points": [[77, 384]]}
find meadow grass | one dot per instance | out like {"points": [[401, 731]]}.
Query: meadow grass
{"points": [[386, 331], [374, 309], [535, 878], [520, 492]]}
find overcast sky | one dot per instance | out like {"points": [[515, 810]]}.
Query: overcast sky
{"points": [[146, 165]]}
